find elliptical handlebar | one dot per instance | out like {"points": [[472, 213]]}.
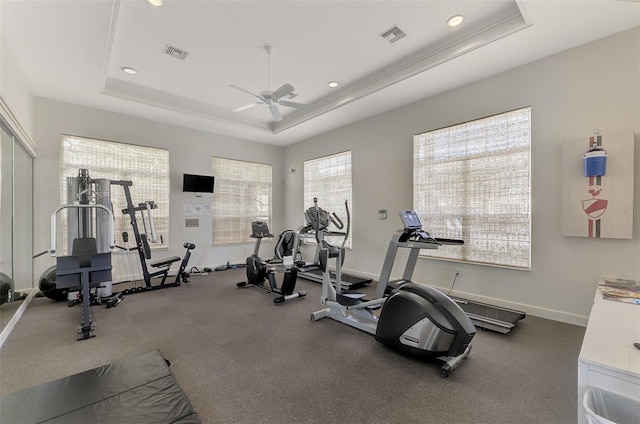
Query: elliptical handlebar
{"points": [[316, 222], [329, 218], [346, 233], [336, 221]]}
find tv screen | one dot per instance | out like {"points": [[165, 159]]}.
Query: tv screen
{"points": [[197, 183]]}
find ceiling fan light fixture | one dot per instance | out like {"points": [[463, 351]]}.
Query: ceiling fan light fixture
{"points": [[274, 98], [455, 20], [333, 84]]}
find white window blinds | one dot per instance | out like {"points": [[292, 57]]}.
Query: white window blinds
{"points": [[472, 181], [329, 180], [242, 195], [146, 167]]}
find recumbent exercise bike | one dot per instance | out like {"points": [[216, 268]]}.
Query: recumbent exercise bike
{"points": [[259, 271]]}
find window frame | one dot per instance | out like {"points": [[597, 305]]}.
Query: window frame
{"points": [[98, 158], [449, 215], [225, 197], [327, 194]]}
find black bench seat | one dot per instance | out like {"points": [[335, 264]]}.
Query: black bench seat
{"points": [[164, 262]]}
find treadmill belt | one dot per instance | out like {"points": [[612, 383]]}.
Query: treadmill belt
{"points": [[490, 317], [488, 312], [350, 281]]}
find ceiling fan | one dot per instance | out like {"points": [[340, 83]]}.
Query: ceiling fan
{"points": [[270, 98]]}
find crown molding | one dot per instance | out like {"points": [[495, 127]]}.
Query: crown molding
{"points": [[138, 94], [15, 126], [508, 22]]}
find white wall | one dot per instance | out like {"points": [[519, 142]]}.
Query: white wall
{"points": [[190, 151], [571, 94], [16, 101], [16, 108]]}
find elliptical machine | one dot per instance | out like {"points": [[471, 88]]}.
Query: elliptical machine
{"points": [[259, 270], [415, 318]]}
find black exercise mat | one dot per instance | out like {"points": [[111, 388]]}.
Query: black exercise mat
{"points": [[136, 390]]}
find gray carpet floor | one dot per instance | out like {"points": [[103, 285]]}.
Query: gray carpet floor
{"points": [[241, 359]]}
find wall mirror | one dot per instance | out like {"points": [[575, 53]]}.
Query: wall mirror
{"points": [[16, 224]]}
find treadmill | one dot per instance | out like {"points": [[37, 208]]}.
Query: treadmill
{"points": [[485, 316], [490, 317]]}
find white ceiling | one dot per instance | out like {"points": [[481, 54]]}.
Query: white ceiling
{"points": [[74, 51]]}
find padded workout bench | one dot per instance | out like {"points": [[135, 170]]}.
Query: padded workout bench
{"points": [[164, 265]]}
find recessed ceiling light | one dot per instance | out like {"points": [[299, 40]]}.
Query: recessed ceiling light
{"points": [[129, 71], [156, 3], [455, 20], [333, 84]]}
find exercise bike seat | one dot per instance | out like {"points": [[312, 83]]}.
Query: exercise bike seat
{"points": [[164, 262]]}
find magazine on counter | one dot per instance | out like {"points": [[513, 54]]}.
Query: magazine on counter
{"points": [[620, 290]]}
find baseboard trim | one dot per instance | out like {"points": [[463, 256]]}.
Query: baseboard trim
{"points": [[537, 311]]}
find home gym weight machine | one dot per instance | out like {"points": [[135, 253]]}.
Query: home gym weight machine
{"points": [[142, 245], [318, 224], [415, 319], [259, 270], [85, 190]]}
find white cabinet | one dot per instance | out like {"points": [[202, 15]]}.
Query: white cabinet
{"points": [[608, 359]]}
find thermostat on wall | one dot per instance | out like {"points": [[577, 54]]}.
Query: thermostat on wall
{"points": [[382, 214]]}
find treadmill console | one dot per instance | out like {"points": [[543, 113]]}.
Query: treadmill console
{"points": [[413, 231], [410, 220]]}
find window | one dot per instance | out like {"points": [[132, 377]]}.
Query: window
{"points": [[242, 195], [329, 179], [146, 167], [472, 181]]}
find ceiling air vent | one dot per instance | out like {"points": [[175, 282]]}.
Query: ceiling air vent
{"points": [[175, 52], [393, 34]]}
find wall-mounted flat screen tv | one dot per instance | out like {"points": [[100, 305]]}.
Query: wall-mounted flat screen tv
{"points": [[197, 183]]}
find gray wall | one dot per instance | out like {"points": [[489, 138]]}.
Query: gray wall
{"points": [[190, 151], [571, 94]]}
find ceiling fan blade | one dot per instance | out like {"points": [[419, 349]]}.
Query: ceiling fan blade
{"points": [[291, 104], [246, 91], [249, 106], [284, 90], [275, 112]]}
